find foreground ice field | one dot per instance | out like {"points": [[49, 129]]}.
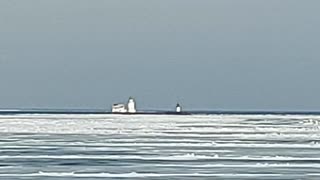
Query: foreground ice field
{"points": [[54, 147]]}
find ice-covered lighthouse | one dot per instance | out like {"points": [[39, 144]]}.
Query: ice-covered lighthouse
{"points": [[131, 107]]}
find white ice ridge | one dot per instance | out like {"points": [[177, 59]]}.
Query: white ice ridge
{"points": [[184, 157], [134, 174], [260, 126]]}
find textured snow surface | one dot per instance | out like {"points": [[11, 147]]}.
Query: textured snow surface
{"points": [[47, 146]]}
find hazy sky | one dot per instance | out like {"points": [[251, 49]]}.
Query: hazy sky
{"points": [[207, 54]]}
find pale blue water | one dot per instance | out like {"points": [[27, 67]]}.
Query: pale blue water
{"points": [[56, 147]]}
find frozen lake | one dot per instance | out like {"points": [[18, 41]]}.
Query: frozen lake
{"points": [[56, 147]]}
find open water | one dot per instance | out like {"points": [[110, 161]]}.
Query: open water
{"points": [[98, 146]]}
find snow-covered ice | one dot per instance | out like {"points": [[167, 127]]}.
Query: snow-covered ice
{"points": [[53, 146]]}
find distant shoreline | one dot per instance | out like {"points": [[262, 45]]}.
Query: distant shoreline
{"points": [[48, 111]]}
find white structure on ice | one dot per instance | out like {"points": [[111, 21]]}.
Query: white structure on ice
{"points": [[178, 108], [125, 108], [119, 108], [131, 105]]}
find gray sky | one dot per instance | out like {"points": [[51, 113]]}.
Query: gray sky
{"points": [[207, 54]]}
